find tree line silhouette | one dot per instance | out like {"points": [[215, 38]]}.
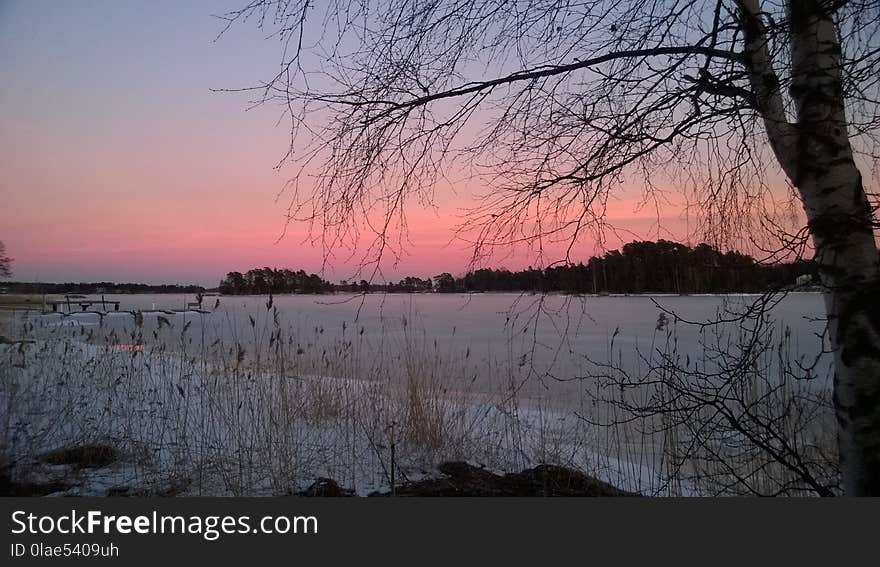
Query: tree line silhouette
{"points": [[638, 267], [647, 267], [269, 280], [92, 288]]}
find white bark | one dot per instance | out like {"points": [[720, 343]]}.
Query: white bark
{"points": [[765, 86], [817, 156]]}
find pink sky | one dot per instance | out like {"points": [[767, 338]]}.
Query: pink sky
{"points": [[119, 163]]}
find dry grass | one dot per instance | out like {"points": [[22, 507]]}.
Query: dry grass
{"points": [[271, 409]]}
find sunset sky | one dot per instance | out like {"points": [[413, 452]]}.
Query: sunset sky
{"points": [[119, 162]]}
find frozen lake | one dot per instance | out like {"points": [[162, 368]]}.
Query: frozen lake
{"points": [[253, 398], [549, 339]]}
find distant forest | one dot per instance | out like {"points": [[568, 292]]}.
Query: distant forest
{"points": [[95, 288], [269, 280], [639, 267]]}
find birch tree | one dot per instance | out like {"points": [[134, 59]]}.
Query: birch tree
{"points": [[555, 103]]}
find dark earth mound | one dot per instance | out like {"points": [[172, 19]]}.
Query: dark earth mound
{"points": [[75, 458], [84, 456], [325, 487], [462, 479]]}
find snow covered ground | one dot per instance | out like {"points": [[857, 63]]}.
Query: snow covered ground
{"points": [[178, 422]]}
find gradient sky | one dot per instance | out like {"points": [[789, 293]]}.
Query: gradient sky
{"points": [[117, 162]]}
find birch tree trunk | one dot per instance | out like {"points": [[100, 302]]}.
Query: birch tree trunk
{"points": [[817, 156]]}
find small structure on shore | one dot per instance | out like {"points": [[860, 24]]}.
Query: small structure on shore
{"points": [[73, 304], [70, 301]]}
